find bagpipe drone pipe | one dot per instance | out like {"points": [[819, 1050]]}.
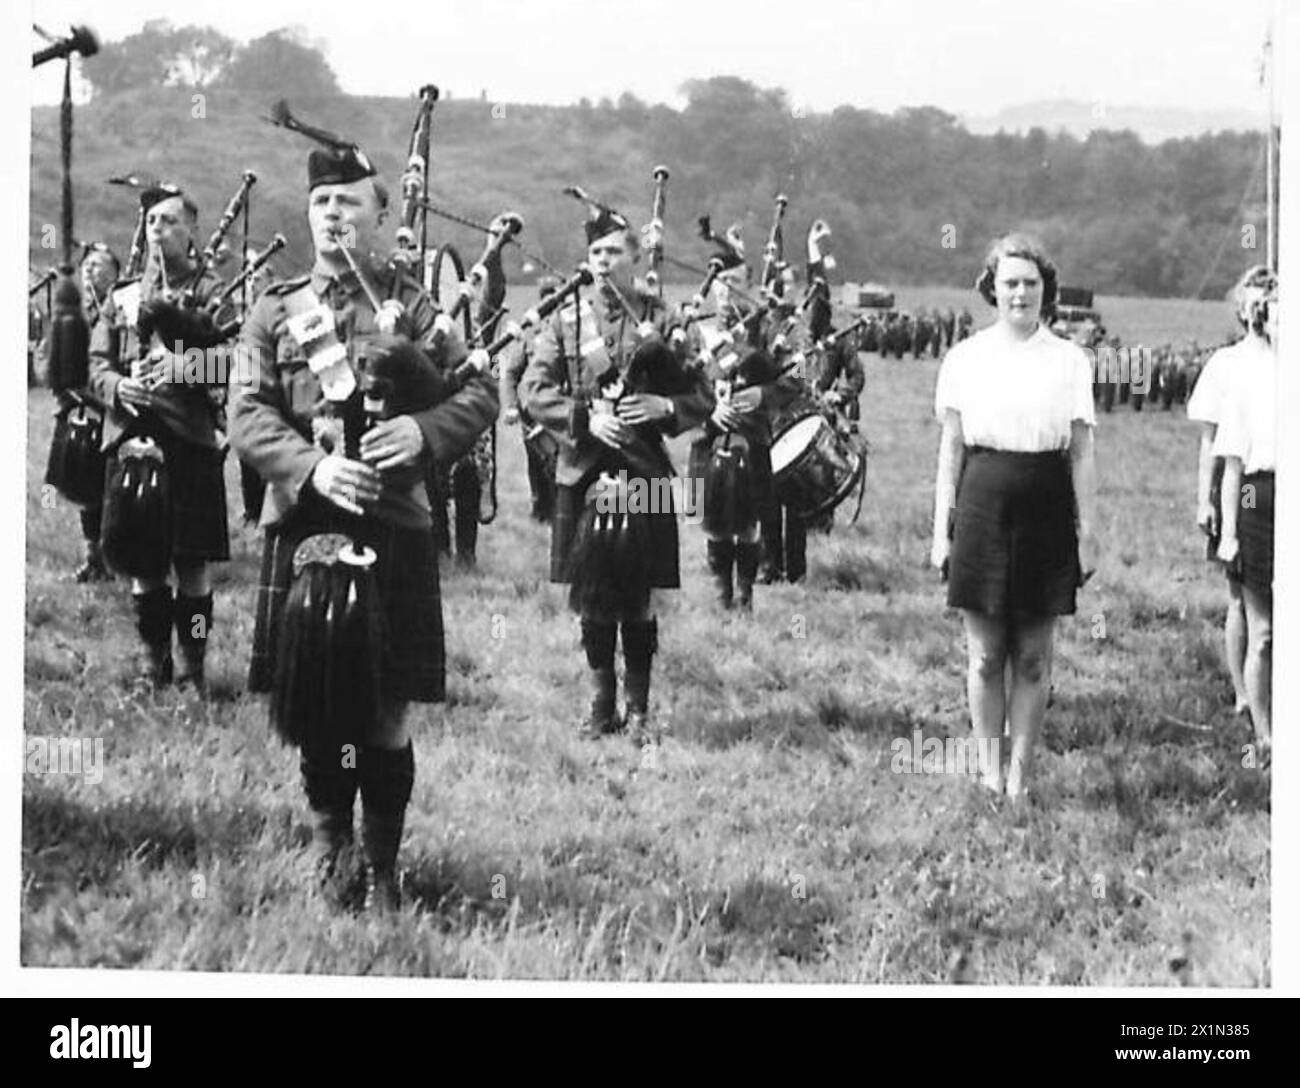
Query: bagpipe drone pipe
{"points": [[327, 686]]}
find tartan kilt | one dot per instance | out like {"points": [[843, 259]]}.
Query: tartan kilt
{"points": [[197, 483], [750, 495], [664, 571], [406, 567]]}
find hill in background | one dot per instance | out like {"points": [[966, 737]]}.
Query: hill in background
{"points": [[913, 197]]}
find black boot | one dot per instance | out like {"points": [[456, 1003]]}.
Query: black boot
{"points": [[386, 777], [93, 569], [721, 553], [746, 572], [193, 629], [467, 492], [640, 641], [796, 547], [153, 622], [331, 787], [773, 569], [598, 640]]}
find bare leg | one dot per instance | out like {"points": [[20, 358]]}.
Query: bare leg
{"points": [[1234, 641], [1259, 664], [1031, 671], [986, 651]]}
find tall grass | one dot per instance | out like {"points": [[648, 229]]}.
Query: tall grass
{"points": [[769, 838]]}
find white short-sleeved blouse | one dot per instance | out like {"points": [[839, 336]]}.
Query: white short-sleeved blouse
{"points": [[1248, 414], [1217, 378], [1016, 395]]}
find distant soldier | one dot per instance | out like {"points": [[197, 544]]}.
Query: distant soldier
{"points": [[965, 324], [949, 326]]}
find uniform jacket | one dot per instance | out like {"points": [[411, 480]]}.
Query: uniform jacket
{"points": [[753, 387], [186, 409], [275, 395], [564, 376]]}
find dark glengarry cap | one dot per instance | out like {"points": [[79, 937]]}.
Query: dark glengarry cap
{"points": [[603, 221], [157, 193], [337, 166]]}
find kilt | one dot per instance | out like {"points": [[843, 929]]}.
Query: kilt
{"points": [[197, 483], [752, 496], [406, 567], [1015, 547], [1255, 533], [661, 528]]}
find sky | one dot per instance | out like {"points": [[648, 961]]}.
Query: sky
{"points": [[967, 58]]}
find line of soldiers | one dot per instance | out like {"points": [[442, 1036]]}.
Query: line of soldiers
{"points": [[932, 331], [345, 393]]}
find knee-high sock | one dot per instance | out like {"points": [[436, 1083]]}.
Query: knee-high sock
{"points": [[193, 629], [640, 641], [331, 787], [598, 637], [386, 777]]}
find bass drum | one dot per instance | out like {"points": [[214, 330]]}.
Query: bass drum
{"points": [[814, 468], [76, 465]]}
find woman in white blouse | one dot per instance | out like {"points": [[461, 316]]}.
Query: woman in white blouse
{"points": [[1014, 496], [1247, 441], [1224, 372]]}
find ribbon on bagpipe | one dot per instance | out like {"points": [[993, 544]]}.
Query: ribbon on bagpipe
{"points": [[328, 680]]}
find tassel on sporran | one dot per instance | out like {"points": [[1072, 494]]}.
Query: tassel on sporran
{"points": [[612, 548], [76, 464], [327, 685], [137, 530]]}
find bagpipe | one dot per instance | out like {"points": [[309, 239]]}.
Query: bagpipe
{"points": [[327, 685], [137, 523], [487, 282]]}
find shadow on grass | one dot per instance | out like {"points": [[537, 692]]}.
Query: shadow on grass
{"points": [[68, 844], [589, 879]]}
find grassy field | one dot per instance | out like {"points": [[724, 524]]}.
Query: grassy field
{"points": [[770, 837]]}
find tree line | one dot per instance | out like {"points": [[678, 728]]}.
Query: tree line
{"points": [[911, 196]]}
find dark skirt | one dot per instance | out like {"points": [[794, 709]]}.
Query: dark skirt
{"points": [[406, 567], [1015, 548], [197, 483], [735, 481], [662, 569], [1255, 532]]}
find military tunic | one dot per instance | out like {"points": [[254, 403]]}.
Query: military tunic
{"points": [[182, 420], [275, 396], [574, 360]]}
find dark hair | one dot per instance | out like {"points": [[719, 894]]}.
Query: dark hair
{"points": [[1027, 248]]}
